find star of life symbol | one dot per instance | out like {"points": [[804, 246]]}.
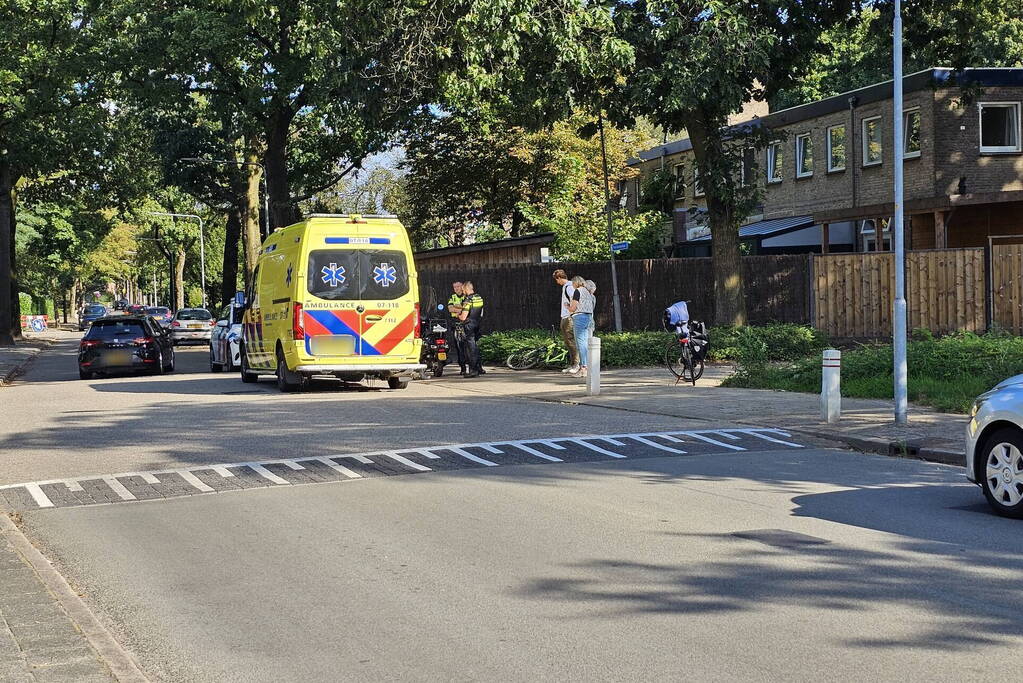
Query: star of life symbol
{"points": [[287, 280], [333, 275], [385, 275]]}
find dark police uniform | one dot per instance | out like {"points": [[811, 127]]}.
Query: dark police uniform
{"points": [[473, 304]]}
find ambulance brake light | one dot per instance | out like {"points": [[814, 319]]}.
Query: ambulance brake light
{"points": [[298, 322], [419, 323]]}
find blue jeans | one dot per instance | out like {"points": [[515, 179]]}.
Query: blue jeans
{"points": [[581, 327]]}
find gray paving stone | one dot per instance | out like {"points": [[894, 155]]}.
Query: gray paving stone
{"points": [[81, 671], [14, 673]]}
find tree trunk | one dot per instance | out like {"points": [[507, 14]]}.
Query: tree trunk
{"points": [[73, 295], [249, 207], [729, 290], [229, 284], [179, 277], [282, 212], [8, 293]]}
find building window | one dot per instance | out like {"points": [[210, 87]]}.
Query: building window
{"points": [[697, 185], [999, 127], [774, 162], [836, 148], [911, 134], [679, 171], [748, 162], [872, 141], [804, 156]]}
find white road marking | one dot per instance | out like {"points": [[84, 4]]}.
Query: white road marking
{"points": [[598, 449], [469, 456], [196, 482], [532, 451], [647, 438], [119, 489], [339, 468], [406, 462], [428, 454], [38, 496], [654, 444], [758, 433], [701, 437], [266, 474], [357, 458]]}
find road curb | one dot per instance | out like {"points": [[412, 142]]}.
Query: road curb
{"points": [[896, 449], [121, 665], [9, 375]]}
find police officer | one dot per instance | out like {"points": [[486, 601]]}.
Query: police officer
{"points": [[471, 317], [455, 310]]}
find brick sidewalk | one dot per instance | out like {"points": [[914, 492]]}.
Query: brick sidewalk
{"points": [[38, 640], [866, 424]]}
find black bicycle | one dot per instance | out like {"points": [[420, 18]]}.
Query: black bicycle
{"points": [[686, 350]]}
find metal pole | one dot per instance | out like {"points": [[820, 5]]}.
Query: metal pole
{"points": [[610, 227], [266, 202], [202, 260], [899, 318]]}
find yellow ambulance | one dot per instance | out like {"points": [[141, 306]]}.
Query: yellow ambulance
{"points": [[333, 295]]}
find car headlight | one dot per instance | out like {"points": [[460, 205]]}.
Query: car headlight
{"points": [[976, 408]]}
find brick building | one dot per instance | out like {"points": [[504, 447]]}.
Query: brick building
{"points": [[828, 179]]}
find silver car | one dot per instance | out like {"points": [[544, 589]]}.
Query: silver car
{"points": [[994, 446], [191, 325]]}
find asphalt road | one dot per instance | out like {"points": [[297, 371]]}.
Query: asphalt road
{"points": [[603, 560]]}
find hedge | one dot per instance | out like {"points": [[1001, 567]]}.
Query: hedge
{"points": [[785, 342]]}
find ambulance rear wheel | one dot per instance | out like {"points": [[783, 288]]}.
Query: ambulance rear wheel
{"points": [[287, 380], [397, 383]]}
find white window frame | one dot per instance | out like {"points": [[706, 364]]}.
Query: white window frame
{"points": [[800, 171], [906, 113], [845, 143], [863, 140], [997, 149], [697, 186], [772, 154]]}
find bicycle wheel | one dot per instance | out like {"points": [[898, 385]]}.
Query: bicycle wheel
{"points": [[673, 358], [524, 359], [689, 373]]}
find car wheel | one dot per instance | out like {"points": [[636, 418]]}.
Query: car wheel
{"points": [[1001, 472], [215, 367], [160, 367], [229, 359], [84, 374], [170, 366], [397, 383], [287, 380]]}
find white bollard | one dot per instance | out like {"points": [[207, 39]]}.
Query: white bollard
{"points": [[831, 386], [593, 378]]}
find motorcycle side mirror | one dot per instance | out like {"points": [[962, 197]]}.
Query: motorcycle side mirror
{"points": [[440, 307]]}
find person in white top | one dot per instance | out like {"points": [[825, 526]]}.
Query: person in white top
{"points": [[567, 329]]}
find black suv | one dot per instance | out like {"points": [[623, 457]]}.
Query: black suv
{"points": [[125, 343]]}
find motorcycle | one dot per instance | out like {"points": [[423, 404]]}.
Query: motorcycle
{"points": [[435, 342]]}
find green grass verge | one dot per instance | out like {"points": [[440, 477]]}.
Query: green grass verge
{"points": [[946, 374]]}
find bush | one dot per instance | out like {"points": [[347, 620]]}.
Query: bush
{"points": [[779, 342], [945, 373]]}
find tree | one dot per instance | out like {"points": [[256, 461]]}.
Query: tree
{"points": [[697, 63]]}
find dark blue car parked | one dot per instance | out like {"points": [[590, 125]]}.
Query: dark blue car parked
{"points": [[90, 313]]}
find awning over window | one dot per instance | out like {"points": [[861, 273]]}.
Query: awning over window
{"points": [[775, 226]]}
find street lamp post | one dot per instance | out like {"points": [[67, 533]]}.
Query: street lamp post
{"points": [[202, 246], [899, 317], [266, 188]]}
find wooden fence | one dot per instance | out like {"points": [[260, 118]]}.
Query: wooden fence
{"points": [[518, 296], [945, 292], [848, 296], [1007, 286]]}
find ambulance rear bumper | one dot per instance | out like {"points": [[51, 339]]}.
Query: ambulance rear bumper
{"points": [[395, 369]]}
